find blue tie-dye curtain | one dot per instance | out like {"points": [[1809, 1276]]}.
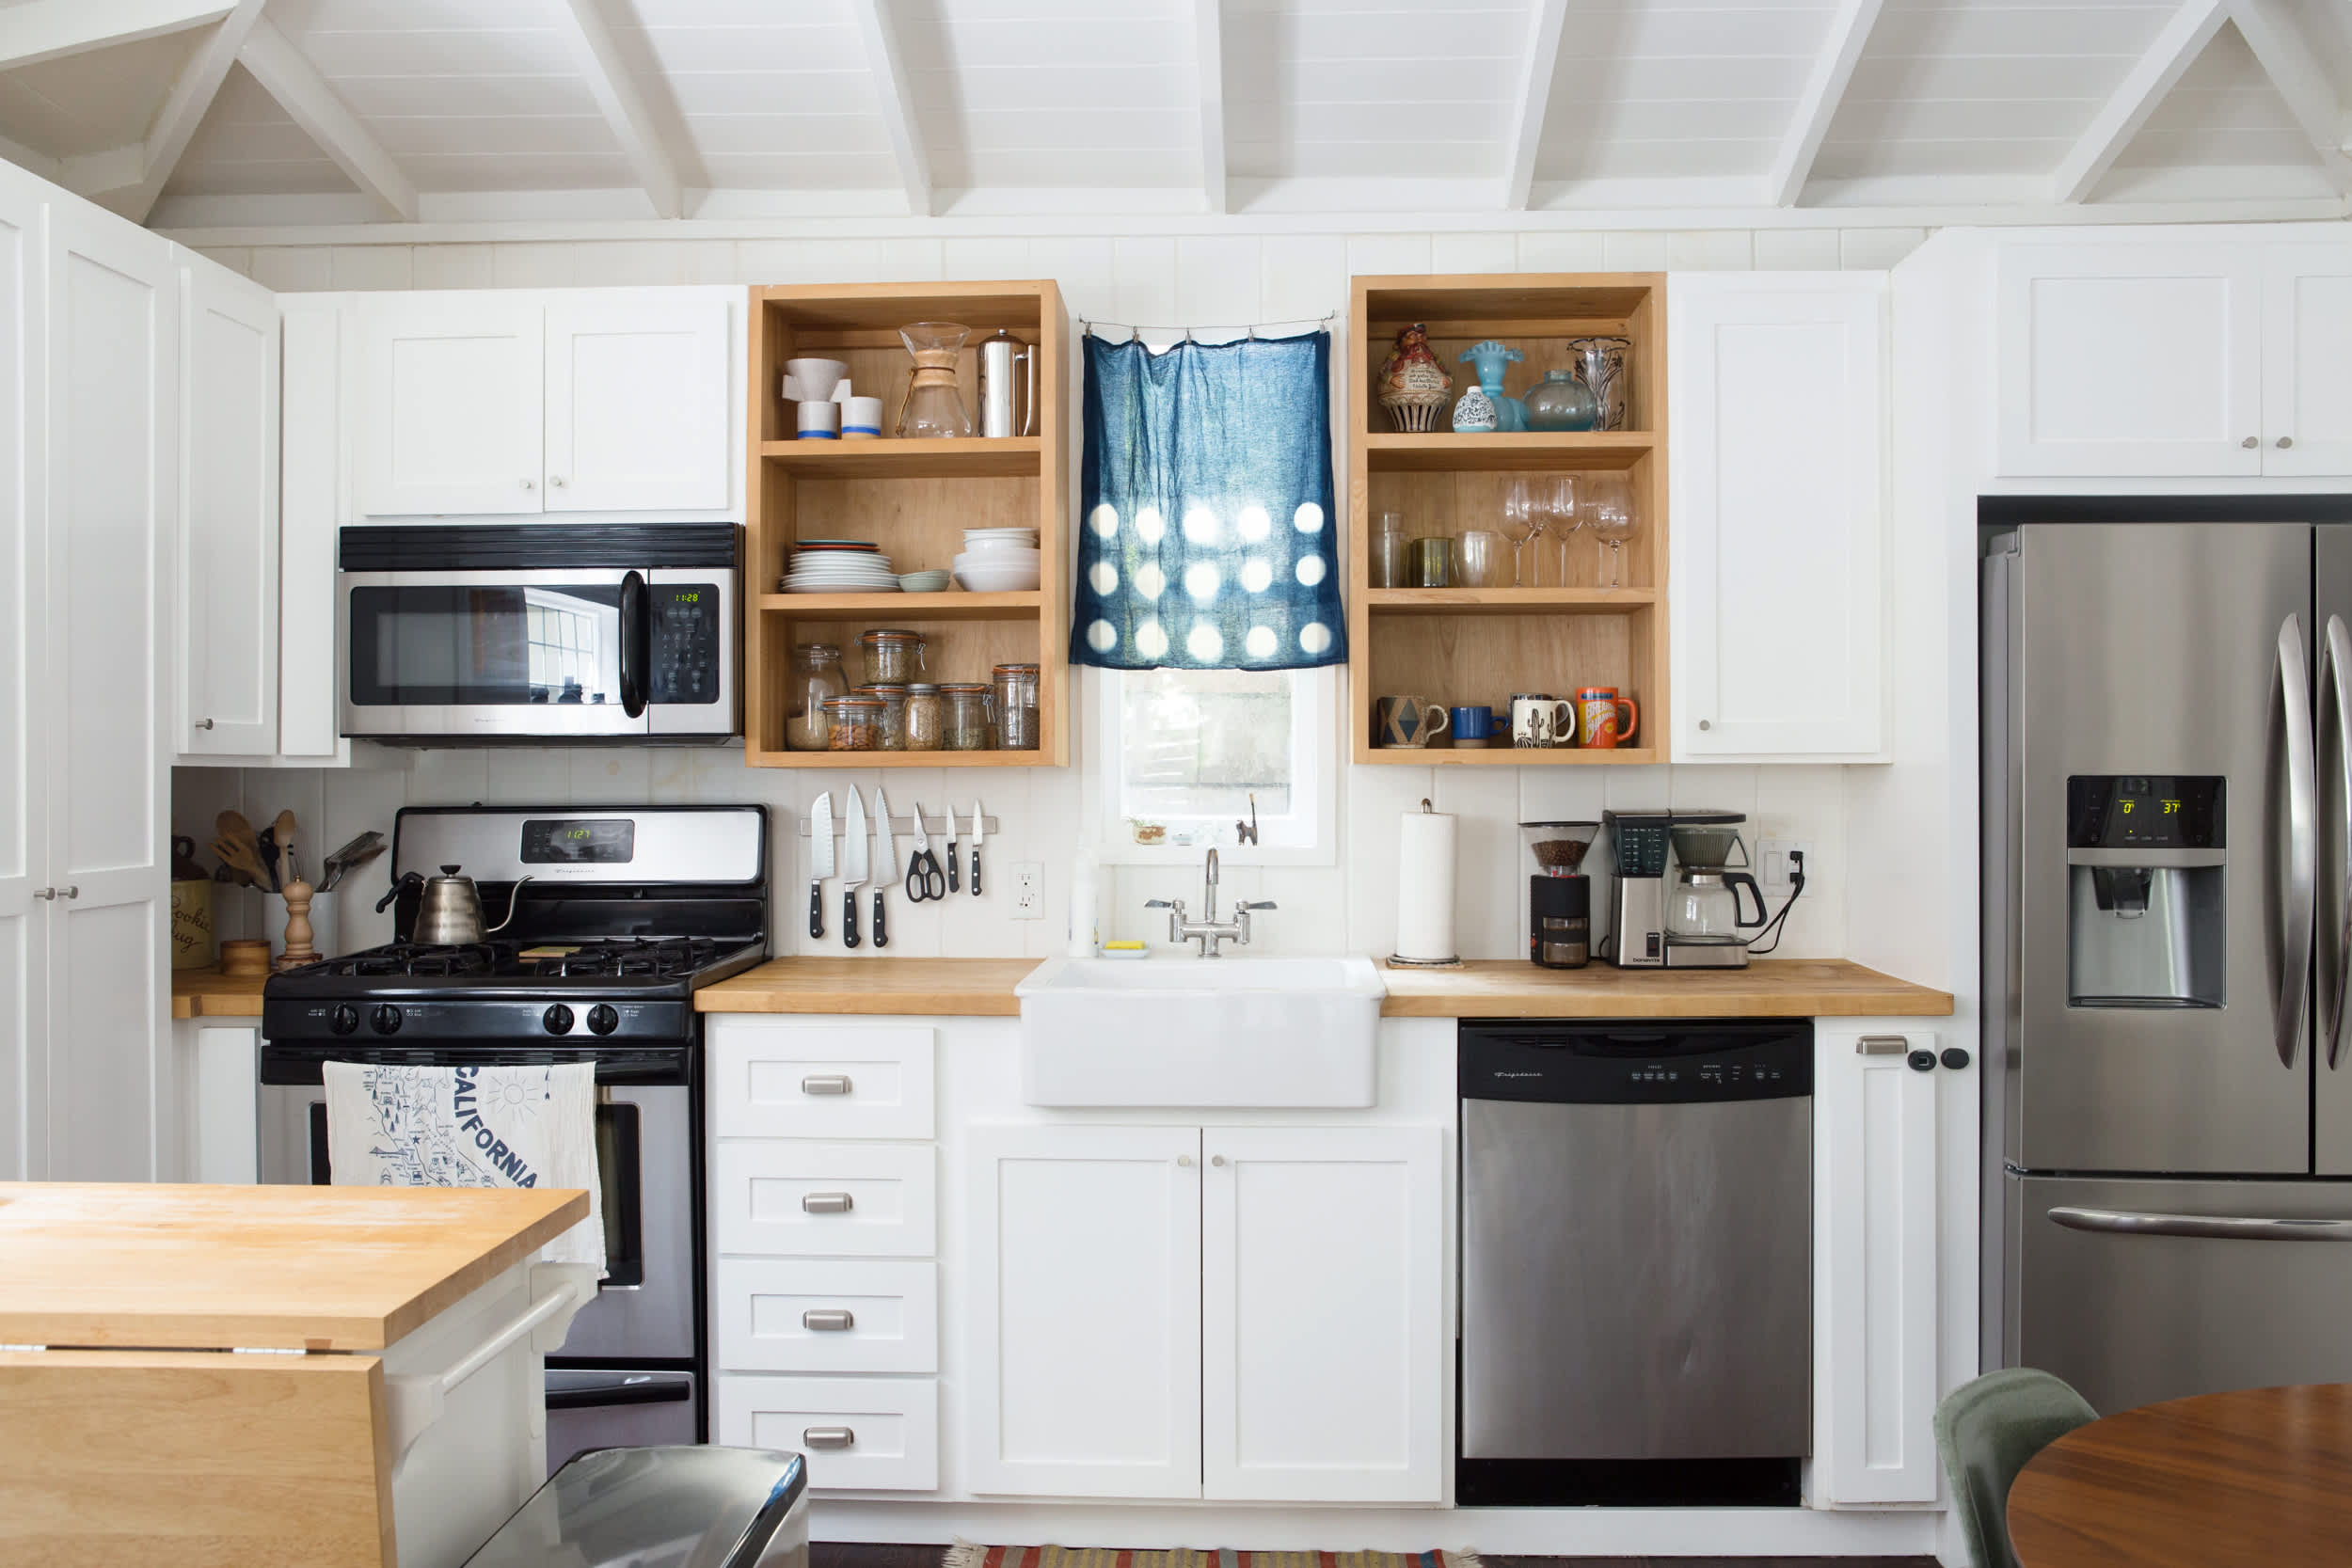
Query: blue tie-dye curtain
{"points": [[1209, 539]]}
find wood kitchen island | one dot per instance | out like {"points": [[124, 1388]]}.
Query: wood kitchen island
{"points": [[263, 1376]]}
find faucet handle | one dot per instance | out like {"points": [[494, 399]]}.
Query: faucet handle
{"points": [[1161, 904], [1263, 904]]}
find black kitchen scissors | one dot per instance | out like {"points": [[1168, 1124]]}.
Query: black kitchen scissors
{"points": [[925, 881]]}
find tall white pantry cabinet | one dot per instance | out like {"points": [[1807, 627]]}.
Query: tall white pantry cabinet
{"points": [[92, 502]]}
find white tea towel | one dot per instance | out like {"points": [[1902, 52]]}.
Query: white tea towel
{"points": [[390, 1126]]}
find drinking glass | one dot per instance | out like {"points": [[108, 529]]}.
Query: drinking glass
{"points": [[1559, 495], [1391, 551], [1478, 556], [1605, 504], [1520, 523]]}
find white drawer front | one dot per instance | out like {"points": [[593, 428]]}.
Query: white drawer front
{"points": [[850, 1316], [776, 1198], [891, 1426], [832, 1081]]}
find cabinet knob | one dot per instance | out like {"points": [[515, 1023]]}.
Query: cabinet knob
{"points": [[1184, 1161], [2285, 441], [2251, 441], [531, 484], [1217, 1159], [45, 894], [203, 723], [555, 482], [74, 893], [1707, 723]]}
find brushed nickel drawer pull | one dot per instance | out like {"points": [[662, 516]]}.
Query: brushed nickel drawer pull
{"points": [[825, 1203], [825, 1082], [1882, 1045], [828, 1437], [832, 1320]]}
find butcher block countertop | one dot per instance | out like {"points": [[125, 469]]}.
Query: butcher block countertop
{"points": [[209, 994], [1497, 988], [208, 1268]]}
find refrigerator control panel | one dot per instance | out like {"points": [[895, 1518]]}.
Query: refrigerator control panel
{"points": [[2144, 810]]}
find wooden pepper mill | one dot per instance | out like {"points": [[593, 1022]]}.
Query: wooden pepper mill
{"points": [[299, 935]]}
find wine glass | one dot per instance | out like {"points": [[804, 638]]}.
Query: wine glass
{"points": [[1560, 503], [1605, 504], [1521, 522]]}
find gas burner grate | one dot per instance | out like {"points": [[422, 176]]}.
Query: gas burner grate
{"points": [[419, 958]]}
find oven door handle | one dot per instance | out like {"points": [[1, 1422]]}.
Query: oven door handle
{"points": [[636, 643]]}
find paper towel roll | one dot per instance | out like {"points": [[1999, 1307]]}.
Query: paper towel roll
{"points": [[1424, 887]]}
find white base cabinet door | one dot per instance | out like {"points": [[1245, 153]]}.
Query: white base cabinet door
{"points": [[2307, 360], [1875, 1307], [1323, 1314], [1779, 407], [1083, 1336], [451, 406]]}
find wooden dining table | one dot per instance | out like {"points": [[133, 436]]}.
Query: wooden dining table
{"points": [[2258, 1477]]}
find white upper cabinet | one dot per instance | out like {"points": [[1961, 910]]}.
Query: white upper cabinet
{"points": [[2307, 360], [451, 406], [227, 664], [23, 688], [1778, 404], [637, 403]]}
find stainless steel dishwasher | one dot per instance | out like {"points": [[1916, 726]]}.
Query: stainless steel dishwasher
{"points": [[1636, 1263]]}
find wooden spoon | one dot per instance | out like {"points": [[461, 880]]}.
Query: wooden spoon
{"points": [[242, 857], [285, 827]]}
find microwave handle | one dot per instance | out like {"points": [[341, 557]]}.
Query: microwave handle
{"points": [[636, 640]]}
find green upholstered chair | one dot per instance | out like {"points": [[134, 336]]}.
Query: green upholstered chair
{"points": [[1985, 1432]]}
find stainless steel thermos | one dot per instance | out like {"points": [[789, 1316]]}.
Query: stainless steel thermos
{"points": [[1007, 406]]}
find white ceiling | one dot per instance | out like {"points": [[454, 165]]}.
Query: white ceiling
{"points": [[221, 113]]}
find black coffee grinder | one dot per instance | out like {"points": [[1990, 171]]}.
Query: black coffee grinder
{"points": [[1559, 895]]}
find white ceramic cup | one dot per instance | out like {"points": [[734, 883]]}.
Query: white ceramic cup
{"points": [[820, 421], [861, 419]]}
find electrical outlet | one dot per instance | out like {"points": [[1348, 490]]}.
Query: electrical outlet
{"points": [[1771, 859], [1029, 891]]}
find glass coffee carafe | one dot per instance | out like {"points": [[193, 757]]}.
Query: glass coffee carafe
{"points": [[935, 407], [1703, 906]]}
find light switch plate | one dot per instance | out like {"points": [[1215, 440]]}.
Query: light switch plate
{"points": [[1771, 861]]}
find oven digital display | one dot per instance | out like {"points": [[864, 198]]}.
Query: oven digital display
{"points": [[578, 841]]}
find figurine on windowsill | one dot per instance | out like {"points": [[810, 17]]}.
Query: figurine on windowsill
{"points": [[1412, 386]]}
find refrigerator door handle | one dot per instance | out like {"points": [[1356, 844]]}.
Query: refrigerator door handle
{"points": [[2224, 1227], [2295, 696], [2335, 713]]}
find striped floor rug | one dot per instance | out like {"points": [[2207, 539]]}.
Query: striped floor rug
{"points": [[963, 1554]]}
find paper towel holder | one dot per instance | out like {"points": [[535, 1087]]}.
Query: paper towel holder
{"points": [[1397, 960]]}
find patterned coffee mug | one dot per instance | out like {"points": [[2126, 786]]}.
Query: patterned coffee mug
{"points": [[1407, 721], [1539, 718], [1603, 725]]}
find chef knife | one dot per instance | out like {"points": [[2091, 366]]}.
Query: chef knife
{"points": [[976, 836], [886, 856], [820, 860], [954, 884], [852, 867]]}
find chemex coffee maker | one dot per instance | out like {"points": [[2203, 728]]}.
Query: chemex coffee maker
{"points": [[1559, 895], [1678, 904]]}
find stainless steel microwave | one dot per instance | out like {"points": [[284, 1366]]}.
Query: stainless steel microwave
{"points": [[540, 632]]}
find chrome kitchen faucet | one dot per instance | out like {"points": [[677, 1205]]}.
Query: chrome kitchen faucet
{"points": [[1211, 931]]}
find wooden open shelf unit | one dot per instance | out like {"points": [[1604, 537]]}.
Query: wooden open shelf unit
{"points": [[1479, 646], [912, 498]]}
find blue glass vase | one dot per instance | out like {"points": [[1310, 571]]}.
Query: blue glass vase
{"points": [[1561, 401], [1489, 359]]}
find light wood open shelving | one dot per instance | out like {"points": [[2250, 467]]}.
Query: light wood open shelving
{"points": [[1474, 645], [913, 499]]}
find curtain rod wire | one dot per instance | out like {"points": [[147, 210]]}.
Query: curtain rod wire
{"points": [[1134, 333]]}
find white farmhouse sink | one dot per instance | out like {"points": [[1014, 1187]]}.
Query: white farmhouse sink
{"points": [[1179, 1032]]}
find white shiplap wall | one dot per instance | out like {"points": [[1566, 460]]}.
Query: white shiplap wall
{"points": [[1167, 278]]}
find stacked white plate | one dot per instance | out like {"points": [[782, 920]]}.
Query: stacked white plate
{"points": [[843, 566]]}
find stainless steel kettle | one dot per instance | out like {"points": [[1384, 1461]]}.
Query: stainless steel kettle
{"points": [[449, 910]]}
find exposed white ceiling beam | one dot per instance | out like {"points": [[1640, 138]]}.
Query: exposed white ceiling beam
{"points": [[310, 102], [2294, 69], [1545, 18], [615, 92], [184, 110], [898, 103], [2135, 98], [1824, 89], [48, 29], [1209, 67]]}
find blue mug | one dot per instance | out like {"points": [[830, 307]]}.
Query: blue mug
{"points": [[1474, 723]]}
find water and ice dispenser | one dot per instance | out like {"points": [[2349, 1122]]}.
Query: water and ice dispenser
{"points": [[2144, 862]]}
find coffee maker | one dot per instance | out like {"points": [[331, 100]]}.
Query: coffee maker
{"points": [[1642, 849], [1559, 895]]}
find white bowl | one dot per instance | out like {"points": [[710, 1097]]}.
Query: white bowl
{"points": [[991, 577], [1007, 556], [1025, 539]]}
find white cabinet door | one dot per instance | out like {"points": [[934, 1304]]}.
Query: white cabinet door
{"points": [[1084, 1326], [449, 408], [2307, 360], [2128, 359], [25, 702], [1322, 1395], [310, 500], [1779, 414], [1875, 1299], [637, 403], [226, 704], [113, 386]]}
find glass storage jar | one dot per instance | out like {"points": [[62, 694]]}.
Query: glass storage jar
{"points": [[853, 724], [965, 717], [815, 677], [893, 715], [924, 718], [892, 658], [1016, 707]]}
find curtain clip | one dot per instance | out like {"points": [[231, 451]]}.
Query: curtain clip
{"points": [[1188, 337], [1253, 332]]}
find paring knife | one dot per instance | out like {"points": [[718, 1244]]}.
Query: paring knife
{"points": [[886, 856], [976, 836], [820, 861], [954, 882], [852, 867]]}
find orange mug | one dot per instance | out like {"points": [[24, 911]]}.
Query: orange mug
{"points": [[1599, 708]]}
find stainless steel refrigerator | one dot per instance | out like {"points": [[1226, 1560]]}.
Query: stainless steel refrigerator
{"points": [[2169, 1093]]}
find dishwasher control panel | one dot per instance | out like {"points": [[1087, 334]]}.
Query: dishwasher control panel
{"points": [[1596, 1065]]}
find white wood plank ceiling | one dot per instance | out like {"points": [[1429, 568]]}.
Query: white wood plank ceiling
{"points": [[218, 113]]}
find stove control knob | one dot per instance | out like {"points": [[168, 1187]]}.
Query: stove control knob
{"points": [[344, 1020], [602, 1019], [386, 1019], [557, 1019]]}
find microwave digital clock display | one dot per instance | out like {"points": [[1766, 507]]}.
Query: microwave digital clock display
{"points": [[578, 841]]}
